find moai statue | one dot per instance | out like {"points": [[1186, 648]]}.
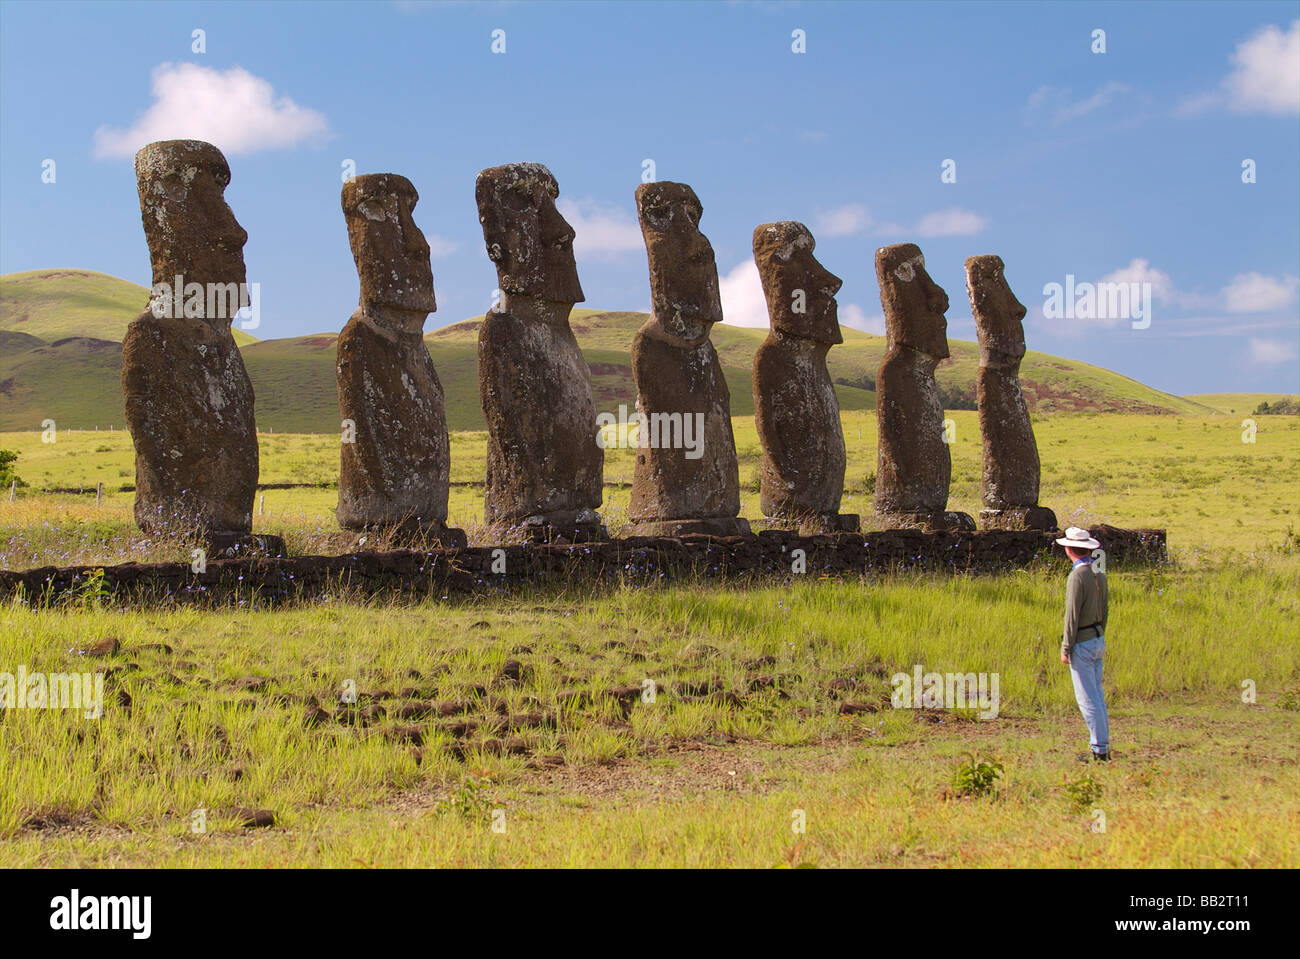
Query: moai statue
{"points": [[1009, 483], [686, 479], [795, 407], [395, 461], [544, 466], [913, 466], [189, 401]]}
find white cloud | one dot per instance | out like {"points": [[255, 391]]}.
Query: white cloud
{"points": [[600, 231], [1270, 352], [440, 245], [1063, 109], [1094, 310], [950, 222], [1266, 72], [1245, 292], [232, 109], [852, 315], [1100, 98], [1254, 293], [1257, 293], [845, 220], [1040, 97], [743, 303], [1141, 271], [1265, 76], [1200, 102]]}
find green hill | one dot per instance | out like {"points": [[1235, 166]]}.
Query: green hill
{"points": [[1239, 403], [53, 305], [60, 357], [1051, 383], [73, 382]]}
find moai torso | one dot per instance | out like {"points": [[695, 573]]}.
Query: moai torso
{"points": [[535, 388], [686, 478], [544, 466], [395, 456], [795, 406], [799, 425], [396, 470], [1010, 474], [188, 398], [674, 377], [913, 465]]}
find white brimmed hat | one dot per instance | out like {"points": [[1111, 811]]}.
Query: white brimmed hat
{"points": [[1078, 538]]}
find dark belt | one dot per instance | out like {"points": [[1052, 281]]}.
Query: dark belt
{"points": [[1096, 626]]}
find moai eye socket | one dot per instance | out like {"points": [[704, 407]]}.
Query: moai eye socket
{"points": [[371, 209]]}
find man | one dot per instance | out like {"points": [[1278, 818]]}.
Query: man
{"points": [[1083, 643]]}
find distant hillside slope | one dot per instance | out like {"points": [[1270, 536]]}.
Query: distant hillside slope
{"points": [[55, 366], [73, 382], [56, 304], [1238, 403], [1051, 383]]}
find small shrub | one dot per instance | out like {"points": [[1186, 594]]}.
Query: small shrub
{"points": [[469, 802], [976, 777], [92, 593], [1280, 407], [7, 475], [1082, 793]]}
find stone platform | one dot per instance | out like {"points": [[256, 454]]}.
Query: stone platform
{"points": [[764, 558]]}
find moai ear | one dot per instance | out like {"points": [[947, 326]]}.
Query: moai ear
{"points": [[490, 217]]}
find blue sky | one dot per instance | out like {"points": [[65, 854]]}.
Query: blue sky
{"points": [[1122, 165]]}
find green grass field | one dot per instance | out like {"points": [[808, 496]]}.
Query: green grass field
{"points": [[1191, 475], [772, 705], [801, 720]]}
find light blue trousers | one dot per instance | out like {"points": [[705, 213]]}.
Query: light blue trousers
{"points": [[1085, 670]]}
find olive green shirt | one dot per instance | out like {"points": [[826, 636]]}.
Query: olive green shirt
{"points": [[1086, 598]]}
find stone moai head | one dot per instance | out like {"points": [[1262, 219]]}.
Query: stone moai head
{"points": [[391, 253], [800, 291], [526, 237], [190, 229], [684, 292], [999, 316], [914, 304]]}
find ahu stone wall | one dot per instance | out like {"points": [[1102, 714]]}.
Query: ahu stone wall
{"points": [[770, 557]]}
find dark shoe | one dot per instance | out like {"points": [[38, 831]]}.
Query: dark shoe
{"points": [[1101, 757]]}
